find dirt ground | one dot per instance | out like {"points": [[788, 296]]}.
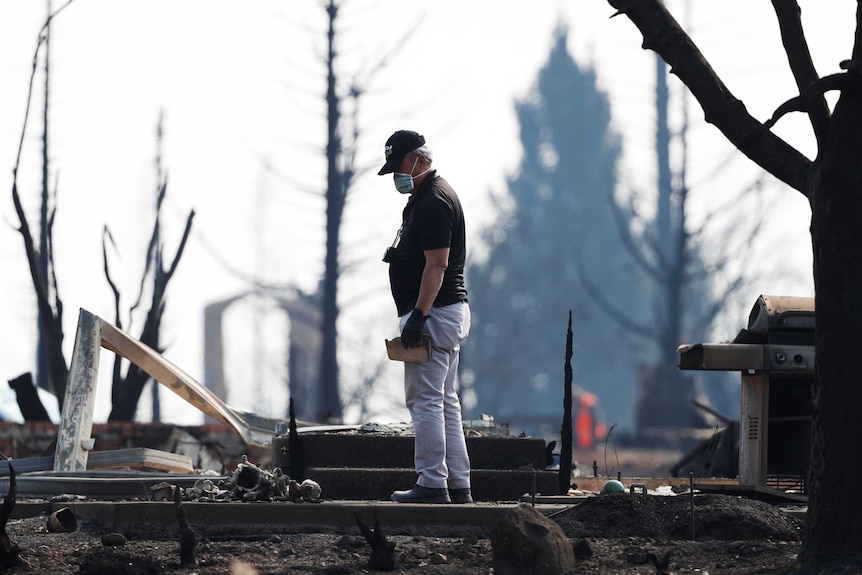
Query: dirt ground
{"points": [[733, 536]]}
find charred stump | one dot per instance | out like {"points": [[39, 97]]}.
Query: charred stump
{"points": [[662, 565], [9, 550], [297, 457], [382, 550], [565, 478], [188, 540], [31, 406]]}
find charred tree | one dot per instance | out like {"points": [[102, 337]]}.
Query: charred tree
{"points": [[686, 298], [297, 454], [339, 174], [9, 550], [127, 389], [343, 100], [42, 345], [40, 258], [566, 431]]}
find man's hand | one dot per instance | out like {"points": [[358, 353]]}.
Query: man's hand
{"points": [[411, 335]]}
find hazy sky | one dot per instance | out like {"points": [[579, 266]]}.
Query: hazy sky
{"points": [[240, 85]]}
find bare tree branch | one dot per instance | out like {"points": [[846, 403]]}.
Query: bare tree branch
{"points": [[799, 58], [249, 278], [385, 59], [360, 395], [116, 369], [58, 302], [288, 179], [39, 283], [705, 319], [152, 246], [108, 238], [182, 246], [722, 209], [39, 43], [636, 253], [808, 101], [623, 319], [663, 34], [127, 390]]}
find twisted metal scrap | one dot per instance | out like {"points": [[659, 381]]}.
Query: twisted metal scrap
{"points": [[248, 482]]}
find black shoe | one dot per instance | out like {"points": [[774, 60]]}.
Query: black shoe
{"points": [[421, 494], [460, 495]]}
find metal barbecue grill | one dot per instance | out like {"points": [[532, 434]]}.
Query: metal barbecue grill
{"points": [[775, 356]]}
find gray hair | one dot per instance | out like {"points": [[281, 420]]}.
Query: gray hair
{"points": [[423, 151]]}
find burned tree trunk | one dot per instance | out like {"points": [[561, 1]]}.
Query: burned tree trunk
{"points": [[49, 304], [9, 550], [188, 540], [567, 431], [834, 505], [337, 184], [27, 396]]}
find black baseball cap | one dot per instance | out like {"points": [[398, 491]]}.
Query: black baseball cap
{"points": [[399, 145]]}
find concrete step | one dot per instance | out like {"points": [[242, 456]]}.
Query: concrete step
{"points": [[378, 483], [370, 466], [368, 450]]}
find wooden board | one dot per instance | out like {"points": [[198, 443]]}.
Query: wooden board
{"points": [[254, 429], [132, 458]]}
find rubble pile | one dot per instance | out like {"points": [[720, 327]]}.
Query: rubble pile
{"points": [[248, 482]]}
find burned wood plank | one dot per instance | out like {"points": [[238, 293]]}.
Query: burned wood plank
{"points": [[133, 458]]}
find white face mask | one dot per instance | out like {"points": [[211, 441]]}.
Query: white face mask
{"points": [[404, 182]]}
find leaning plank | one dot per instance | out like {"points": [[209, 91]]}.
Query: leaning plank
{"points": [[132, 458], [254, 429]]}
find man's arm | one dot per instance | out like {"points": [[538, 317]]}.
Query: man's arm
{"points": [[436, 262]]}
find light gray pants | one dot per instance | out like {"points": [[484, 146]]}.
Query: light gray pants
{"points": [[432, 400]]}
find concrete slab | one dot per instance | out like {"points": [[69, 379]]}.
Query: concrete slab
{"points": [[158, 519], [336, 484]]}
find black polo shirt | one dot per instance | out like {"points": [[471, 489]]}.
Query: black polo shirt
{"points": [[432, 219]]}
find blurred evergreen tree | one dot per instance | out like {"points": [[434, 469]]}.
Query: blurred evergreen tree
{"points": [[556, 221]]}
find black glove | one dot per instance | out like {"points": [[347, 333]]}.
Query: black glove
{"points": [[411, 335]]}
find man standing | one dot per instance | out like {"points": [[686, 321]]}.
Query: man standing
{"points": [[426, 275]]}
